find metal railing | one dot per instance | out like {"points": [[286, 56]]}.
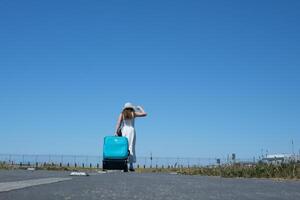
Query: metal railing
{"points": [[96, 161]]}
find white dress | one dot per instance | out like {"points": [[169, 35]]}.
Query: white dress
{"points": [[129, 132]]}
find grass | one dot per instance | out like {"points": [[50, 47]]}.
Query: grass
{"points": [[51, 167], [285, 171], [282, 171]]}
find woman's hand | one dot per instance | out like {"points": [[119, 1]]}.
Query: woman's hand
{"points": [[141, 112], [140, 108]]}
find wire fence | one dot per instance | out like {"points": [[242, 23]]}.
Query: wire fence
{"points": [[96, 161]]}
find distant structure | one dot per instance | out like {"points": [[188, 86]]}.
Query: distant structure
{"points": [[280, 158], [233, 157]]}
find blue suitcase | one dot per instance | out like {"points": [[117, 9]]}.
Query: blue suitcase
{"points": [[115, 153]]}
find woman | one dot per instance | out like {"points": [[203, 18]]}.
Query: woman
{"points": [[126, 118]]}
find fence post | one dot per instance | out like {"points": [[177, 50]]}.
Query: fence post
{"points": [[62, 159], [151, 158]]}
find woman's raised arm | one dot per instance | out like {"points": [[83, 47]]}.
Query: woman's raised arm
{"points": [[140, 113]]}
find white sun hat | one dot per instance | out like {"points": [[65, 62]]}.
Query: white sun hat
{"points": [[128, 105]]}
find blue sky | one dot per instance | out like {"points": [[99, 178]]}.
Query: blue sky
{"points": [[215, 77]]}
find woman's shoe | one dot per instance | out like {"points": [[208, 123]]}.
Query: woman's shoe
{"points": [[132, 170]]}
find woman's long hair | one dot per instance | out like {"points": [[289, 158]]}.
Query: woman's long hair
{"points": [[128, 113]]}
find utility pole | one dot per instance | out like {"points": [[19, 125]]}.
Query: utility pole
{"points": [[151, 159], [293, 147]]}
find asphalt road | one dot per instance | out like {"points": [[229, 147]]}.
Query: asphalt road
{"points": [[119, 185]]}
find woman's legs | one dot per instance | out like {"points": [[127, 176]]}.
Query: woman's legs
{"points": [[131, 166], [129, 132]]}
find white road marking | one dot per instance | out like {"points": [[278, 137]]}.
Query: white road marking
{"points": [[79, 174], [8, 186]]}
